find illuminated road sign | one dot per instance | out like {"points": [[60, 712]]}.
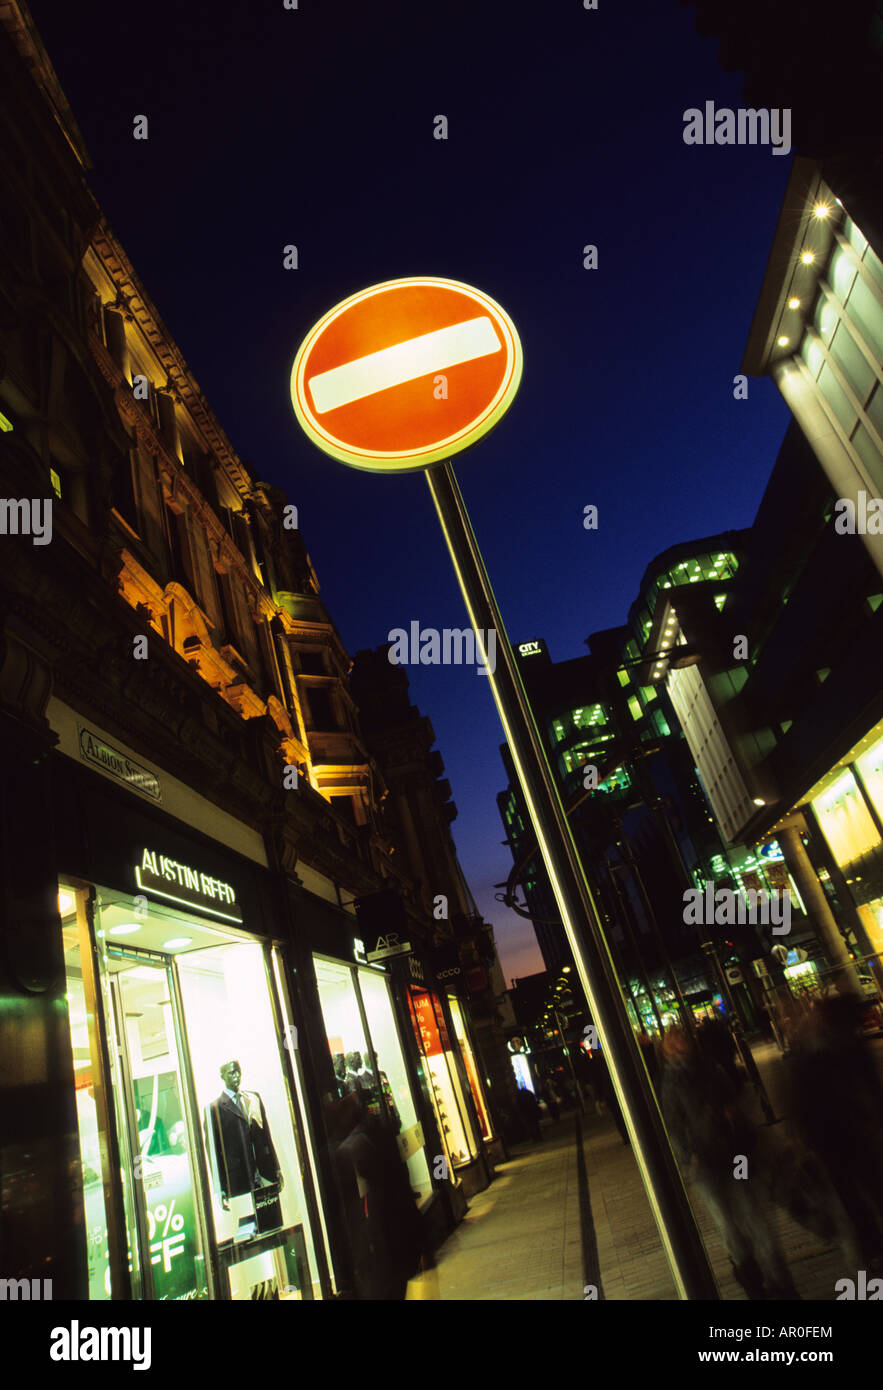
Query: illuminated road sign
{"points": [[406, 373]]}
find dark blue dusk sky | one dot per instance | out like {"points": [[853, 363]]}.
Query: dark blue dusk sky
{"points": [[314, 127]]}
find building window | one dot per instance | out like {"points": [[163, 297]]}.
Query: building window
{"points": [[227, 606], [177, 547], [312, 663], [123, 491], [321, 708], [345, 808]]}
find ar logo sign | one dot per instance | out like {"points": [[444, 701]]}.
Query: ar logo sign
{"points": [[384, 942]]}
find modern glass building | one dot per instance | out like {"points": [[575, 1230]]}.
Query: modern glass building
{"points": [[818, 331]]}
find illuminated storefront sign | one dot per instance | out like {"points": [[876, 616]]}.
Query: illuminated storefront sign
{"points": [[529, 648], [389, 945], [163, 877]]}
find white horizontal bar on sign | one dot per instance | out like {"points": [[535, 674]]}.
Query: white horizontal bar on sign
{"points": [[431, 352]]}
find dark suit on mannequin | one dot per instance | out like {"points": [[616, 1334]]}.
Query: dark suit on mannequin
{"points": [[242, 1140]]}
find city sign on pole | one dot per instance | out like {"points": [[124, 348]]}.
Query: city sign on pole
{"points": [[399, 377]]}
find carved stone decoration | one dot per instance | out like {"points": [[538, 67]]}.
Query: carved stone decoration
{"points": [[25, 681]]}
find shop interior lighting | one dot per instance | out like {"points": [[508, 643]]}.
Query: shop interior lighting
{"points": [[794, 302], [65, 902], [783, 341], [807, 257], [124, 929], [176, 943], [821, 211]]}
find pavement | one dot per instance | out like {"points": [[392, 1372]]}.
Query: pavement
{"points": [[520, 1238], [524, 1238]]}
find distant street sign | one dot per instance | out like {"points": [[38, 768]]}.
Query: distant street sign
{"points": [[406, 373]]}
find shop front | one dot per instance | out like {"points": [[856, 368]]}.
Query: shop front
{"points": [[452, 1101], [379, 1141], [196, 1178], [368, 1058], [453, 983]]}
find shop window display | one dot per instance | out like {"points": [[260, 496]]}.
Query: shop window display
{"points": [[356, 1002], [376, 1142], [454, 1124], [471, 1069], [197, 1107]]}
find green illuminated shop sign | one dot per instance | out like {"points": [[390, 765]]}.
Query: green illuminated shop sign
{"points": [[160, 876]]}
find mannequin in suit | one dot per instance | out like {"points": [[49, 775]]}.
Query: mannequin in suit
{"points": [[355, 1074], [238, 1123], [339, 1063]]}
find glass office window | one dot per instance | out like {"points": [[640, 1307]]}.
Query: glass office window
{"points": [[852, 362]]}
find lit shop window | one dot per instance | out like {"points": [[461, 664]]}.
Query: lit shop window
{"points": [[471, 1069], [366, 1054], [870, 766], [447, 1093], [845, 820], [197, 1100]]}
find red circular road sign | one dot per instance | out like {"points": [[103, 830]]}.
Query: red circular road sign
{"points": [[406, 373]]}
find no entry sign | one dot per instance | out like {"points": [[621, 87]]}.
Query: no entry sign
{"points": [[406, 373]]}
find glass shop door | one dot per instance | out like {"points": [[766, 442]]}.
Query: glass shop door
{"points": [[158, 1140]]}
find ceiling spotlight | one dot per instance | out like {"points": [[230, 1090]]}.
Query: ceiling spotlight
{"points": [[794, 303], [175, 943], [807, 257], [783, 341], [65, 903], [821, 211], [124, 929]]}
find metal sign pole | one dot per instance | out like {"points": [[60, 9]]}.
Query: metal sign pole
{"points": [[656, 1161]]}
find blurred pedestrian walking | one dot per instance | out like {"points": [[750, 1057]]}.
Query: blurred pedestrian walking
{"points": [[837, 1103], [710, 1135]]}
